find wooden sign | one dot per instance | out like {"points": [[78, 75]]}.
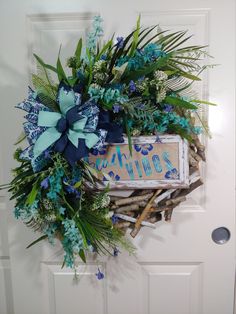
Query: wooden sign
{"points": [[156, 162]]}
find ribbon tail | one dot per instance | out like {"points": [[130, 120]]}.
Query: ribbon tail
{"points": [[45, 140], [91, 139], [74, 136]]}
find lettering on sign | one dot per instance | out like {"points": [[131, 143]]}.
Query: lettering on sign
{"points": [[155, 162]]}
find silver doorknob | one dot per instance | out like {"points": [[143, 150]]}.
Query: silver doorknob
{"points": [[220, 235]]}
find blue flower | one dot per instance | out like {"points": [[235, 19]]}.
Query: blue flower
{"points": [[113, 176], [99, 275], [55, 181], [132, 87], [103, 57], [96, 32], [17, 212], [69, 187], [45, 183], [144, 149], [140, 106], [172, 174], [114, 219], [96, 92], [50, 232], [72, 241], [111, 95], [151, 52], [168, 108], [120, 42], [101, 151], [116, 251], [62, 210], [116, 108], [197, 130]]}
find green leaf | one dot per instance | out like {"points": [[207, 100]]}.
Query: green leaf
{"points": [[72, 80], [190, 76], [183, 73], [60, 72], [174, 40], [21, 138], [45, 65], [93, 171], [179, 102], [178, 130], [78, 50], [118, 72], [167, 38], [204, 102], [77, 184], [135, 38], [32, 196], [104, 49], [90, 67], [43, 237], [128, 134], [82, 256], [151, 39], [171, 47]]}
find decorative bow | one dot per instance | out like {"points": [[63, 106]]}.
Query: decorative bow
{"points": [[73, 130]]}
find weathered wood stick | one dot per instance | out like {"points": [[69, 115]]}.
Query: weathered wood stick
{"points": [[193, 170], [143, 192], [176, 200], [133, 199], [195, 155], [163, 196], [193, 186], [144, 214], [192, 161], [123, 224], [131, 207], [201, 154], [163, 208], [197, 143], [154, 219], [200, 148], [193, 178], [168, 214], [131, 219]]}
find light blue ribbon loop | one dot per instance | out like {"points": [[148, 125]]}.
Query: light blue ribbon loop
{"points": [[74, 137], [48, 119], [80, 124], [45, 140], [91, 139], [66, 100]]}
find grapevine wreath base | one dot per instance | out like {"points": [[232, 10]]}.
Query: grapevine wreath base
{"points": [[146, 207]]}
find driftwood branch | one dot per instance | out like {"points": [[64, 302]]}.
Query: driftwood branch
{"points": [[133, 199], [144, 214]]}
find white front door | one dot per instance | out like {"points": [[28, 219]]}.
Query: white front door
{"points": [[178, 268]]}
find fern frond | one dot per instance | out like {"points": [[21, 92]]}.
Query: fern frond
{"points": [[181, 85], [45, 92]]}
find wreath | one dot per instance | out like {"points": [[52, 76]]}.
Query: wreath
{"points": [[136, 85]]}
